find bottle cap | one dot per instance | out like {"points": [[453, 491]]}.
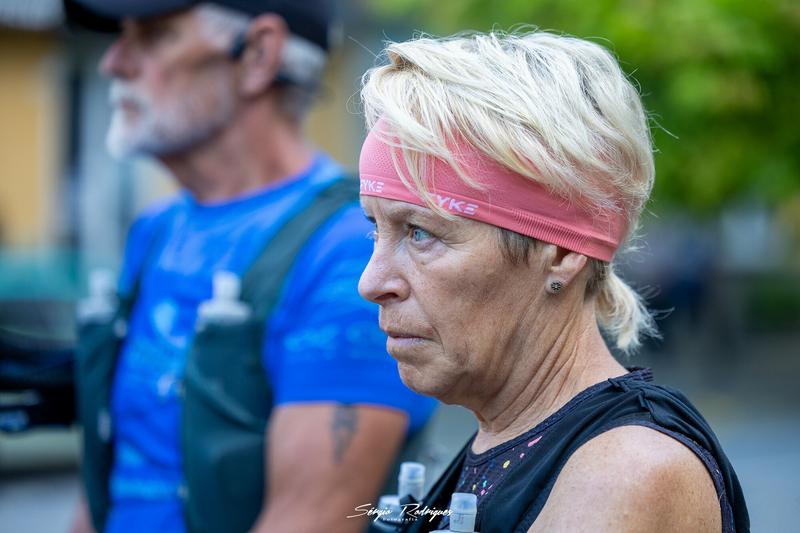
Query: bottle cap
{"points": [[412, 472], [390, 502], [101, 282], [411, 481], [101, 304], [224, 307], [225, 285], [464, 502], [464, 508]]}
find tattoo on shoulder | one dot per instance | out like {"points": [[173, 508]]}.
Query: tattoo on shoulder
{"points": [[343, 429]]}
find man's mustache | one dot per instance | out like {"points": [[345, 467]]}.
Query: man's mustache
{"points": [[123, 93]]}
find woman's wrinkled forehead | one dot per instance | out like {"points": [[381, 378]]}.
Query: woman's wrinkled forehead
{"points": [[394, 209], [397, 211]]}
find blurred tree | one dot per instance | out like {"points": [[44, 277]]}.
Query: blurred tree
{"points": [[721, 79]]}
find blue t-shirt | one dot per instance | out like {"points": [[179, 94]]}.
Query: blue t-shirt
{"points": [[322, 341]]}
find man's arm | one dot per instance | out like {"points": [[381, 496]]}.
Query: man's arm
{"points": [[322, 461], [632, 479]]}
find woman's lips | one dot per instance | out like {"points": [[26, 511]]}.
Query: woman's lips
{"points": [[402, 339]]}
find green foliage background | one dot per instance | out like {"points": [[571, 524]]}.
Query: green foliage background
{"points": [[722, 77]]}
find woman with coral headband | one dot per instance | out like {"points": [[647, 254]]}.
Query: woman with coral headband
{"points": [[503, 173]]}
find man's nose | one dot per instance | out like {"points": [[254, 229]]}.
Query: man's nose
{"points": [[119, 60]]}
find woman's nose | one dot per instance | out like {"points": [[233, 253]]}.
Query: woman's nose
{"points": [[382, 280]]}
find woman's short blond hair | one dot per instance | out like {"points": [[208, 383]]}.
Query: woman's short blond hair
{"points": [[555, 109]]}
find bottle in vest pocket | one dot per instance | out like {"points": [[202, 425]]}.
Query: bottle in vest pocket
{"points": [[463, 510], [410, 486], [411, 481], [224, 308], [102, 303], [390, 515]]}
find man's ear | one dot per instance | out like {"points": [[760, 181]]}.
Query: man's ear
{"points": [[261, 58], [563, 266]]}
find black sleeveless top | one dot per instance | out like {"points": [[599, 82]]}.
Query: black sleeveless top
{"points": [[513, 480]]}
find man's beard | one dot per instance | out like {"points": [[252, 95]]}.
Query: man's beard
{"points": [[186, 121]]}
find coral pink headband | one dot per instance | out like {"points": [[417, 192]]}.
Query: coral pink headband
{"points": [[509, 200]]}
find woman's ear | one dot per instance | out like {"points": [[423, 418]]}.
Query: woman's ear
{"points": [[563, 266], [261, 57]]}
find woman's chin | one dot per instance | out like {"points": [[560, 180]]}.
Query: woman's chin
{"points": [[423, 382]]}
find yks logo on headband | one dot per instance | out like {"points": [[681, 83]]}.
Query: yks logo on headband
{"points": [[455, 205], [372, 186]]}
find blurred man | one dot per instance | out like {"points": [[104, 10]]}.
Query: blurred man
{"points": [[217, 92]]}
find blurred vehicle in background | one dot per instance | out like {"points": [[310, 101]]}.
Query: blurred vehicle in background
{"points": [[36, 387]]}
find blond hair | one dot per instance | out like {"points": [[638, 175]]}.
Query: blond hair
{"points": [[555, 109]]}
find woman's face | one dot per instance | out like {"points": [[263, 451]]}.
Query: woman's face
{"points": [[455, 309]]}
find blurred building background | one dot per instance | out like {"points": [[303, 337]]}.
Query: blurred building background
{"points": [[720, 252]]}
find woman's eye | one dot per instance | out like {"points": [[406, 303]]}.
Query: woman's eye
{"points": [[373, 233], [420, 234]]}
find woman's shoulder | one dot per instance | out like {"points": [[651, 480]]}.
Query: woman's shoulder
{"points": [[632, 478]]}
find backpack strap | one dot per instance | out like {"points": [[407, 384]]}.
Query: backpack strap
{"points": [[262, 283], [153, 242], [96, 356]]}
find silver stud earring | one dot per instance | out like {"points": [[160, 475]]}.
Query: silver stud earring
{"points": [[556, 286]]}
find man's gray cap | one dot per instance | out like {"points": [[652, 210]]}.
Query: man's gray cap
{"points": [[306, 18]]}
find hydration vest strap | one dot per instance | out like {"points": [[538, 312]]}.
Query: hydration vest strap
{"points": [[96, 360], [261, 284]]}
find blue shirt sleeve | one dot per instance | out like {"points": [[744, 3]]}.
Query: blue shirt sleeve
{"points": [[323, 341]]}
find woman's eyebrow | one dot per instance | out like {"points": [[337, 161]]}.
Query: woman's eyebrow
{"points": [[400, 212], [404, 211]]}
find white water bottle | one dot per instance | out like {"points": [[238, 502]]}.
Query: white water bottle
{"points": [[390, 519], [101, 304], [463, 510], [392, 504], [411, 480], [224, 308]]}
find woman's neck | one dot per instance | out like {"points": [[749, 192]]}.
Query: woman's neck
{"points": [[545, 379]]}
